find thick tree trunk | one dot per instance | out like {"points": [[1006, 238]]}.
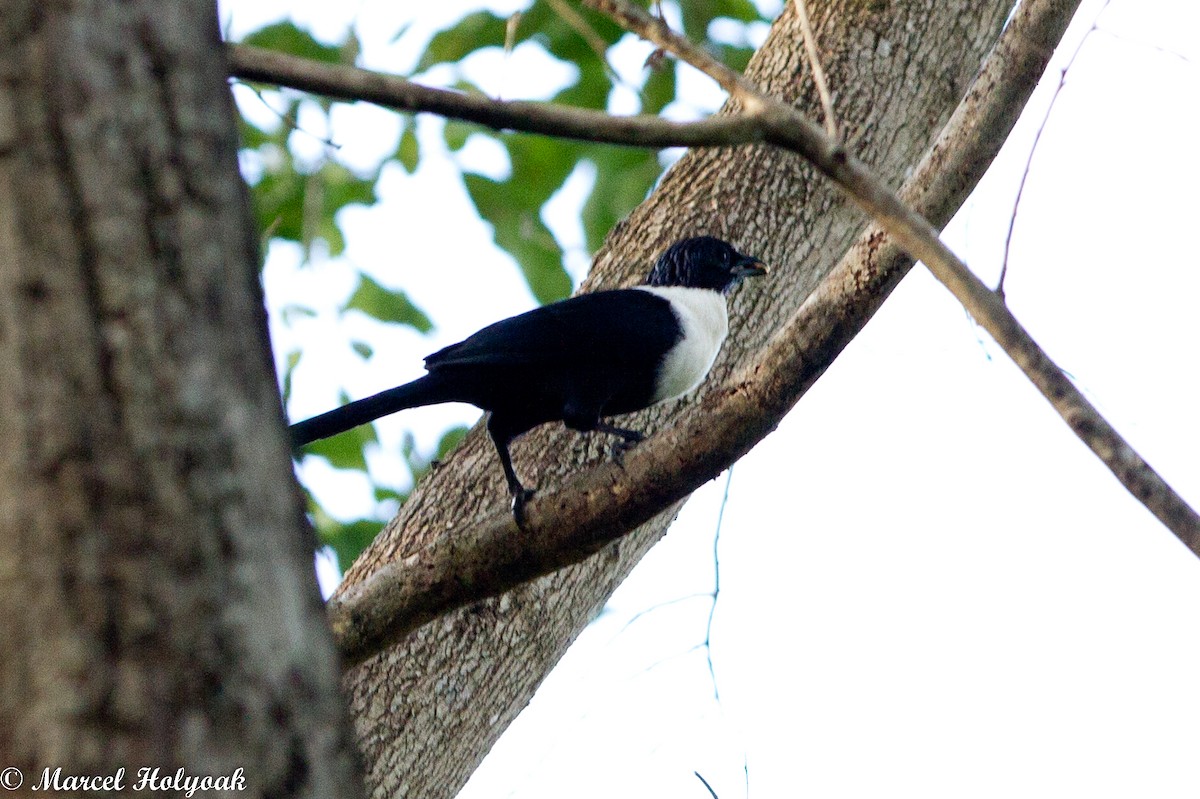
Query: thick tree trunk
{"points": [[157, 605], [429, 709]]}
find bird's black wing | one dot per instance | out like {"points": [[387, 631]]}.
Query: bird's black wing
{"points": [[618, 327]]}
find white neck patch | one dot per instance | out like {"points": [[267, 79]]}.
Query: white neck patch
{"points": [[705, 322]]}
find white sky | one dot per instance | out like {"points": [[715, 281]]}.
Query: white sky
{"points": [[929, 587]]}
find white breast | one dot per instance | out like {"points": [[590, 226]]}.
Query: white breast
{"points": [[705, 323]]}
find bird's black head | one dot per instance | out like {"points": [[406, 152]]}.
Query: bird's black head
{"points": [[703, 262]]}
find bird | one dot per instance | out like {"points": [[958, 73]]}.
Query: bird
{"points": [[579, 360]]}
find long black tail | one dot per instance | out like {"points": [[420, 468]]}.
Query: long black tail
{"points": [[427, 390]]}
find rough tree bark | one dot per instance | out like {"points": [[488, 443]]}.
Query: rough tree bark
{"points": [[157, 604], [428, 710]]}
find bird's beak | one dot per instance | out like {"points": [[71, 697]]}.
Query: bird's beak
{"points": [[749, 267]]}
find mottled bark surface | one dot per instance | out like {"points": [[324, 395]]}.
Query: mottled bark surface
{"points": [[429, 709], [157, 604]]}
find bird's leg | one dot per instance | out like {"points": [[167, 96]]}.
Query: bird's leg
{"points": [[520, 494], [586, 419], [629, 439], [630, 436]]}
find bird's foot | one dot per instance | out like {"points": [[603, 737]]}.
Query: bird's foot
{"points": [[520, 496], [625, 444], [629, 438]]}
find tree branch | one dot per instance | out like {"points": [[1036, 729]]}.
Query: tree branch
{"points": [[814, 60], [788, 128], [1033, 148], [567, 523], [353, 84]]}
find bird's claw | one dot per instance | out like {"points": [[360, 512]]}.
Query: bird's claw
{"points": [[622, 446], [520, 496]]}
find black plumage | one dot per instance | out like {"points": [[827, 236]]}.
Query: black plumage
{"points": [[579, 360]]}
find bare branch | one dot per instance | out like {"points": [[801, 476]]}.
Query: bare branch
{"points": [[656, 31], [711, 792], [715, 594], [573, 18], [565, 524], [352, 84], [783, 125], [1037, 137], [1124, 38], [814, 59]]}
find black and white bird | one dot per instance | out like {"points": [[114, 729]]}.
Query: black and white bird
{"points": [[579, 360]]}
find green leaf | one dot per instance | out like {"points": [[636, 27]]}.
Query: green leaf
{"points": [[289, 368], [386, 305], [740, 10], [449, 440], [348, 540], [513, 206], [287, 38], [624, 176], [539, 167], [351, 48], [518, 229], [251, 136], [592, 88], [456, 133], [302, 208], [473, 32], [540, 258], [542, 23], [278, 202], [363, 349], [345, 451], [408, 153], [290, 312], [385, 494], [343, 187], [696, 18], [419, 463], [736, 57], [659, 89]]}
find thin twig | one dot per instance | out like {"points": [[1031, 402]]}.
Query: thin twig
{"points": [[586, 32], [712, 612], [716, 591], [656, 31], [1037, 137], [510, 41], [660, 606], [290, 121], [711, 792], [814, 60], [1125, 39]]}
